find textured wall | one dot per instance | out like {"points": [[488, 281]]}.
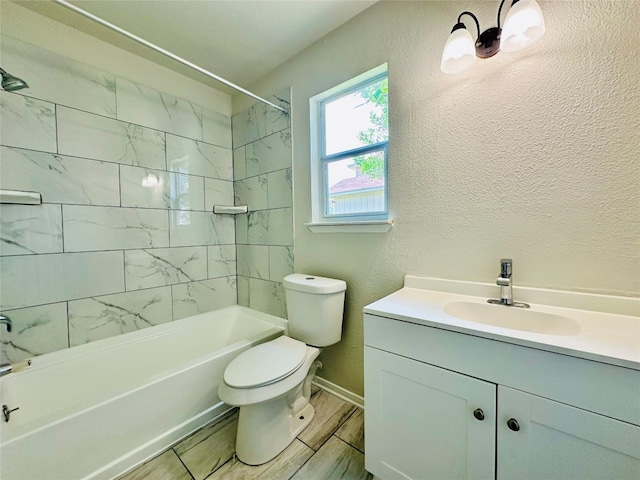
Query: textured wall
{"points": [[532, 155], [103, 255]]}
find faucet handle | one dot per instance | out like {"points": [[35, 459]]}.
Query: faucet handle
{"points": [[506, 265]]}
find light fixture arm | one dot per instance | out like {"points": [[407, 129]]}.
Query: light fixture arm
{"points": [[487, 42], [472, 16], [476, 19], [523, 26], [500, 10]]}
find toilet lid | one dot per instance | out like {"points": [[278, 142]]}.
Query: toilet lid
{"points": [[265, 363]]}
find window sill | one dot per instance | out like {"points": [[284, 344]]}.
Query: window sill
{"points": [[382, 226]]}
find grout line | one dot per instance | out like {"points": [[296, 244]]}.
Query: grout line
{"points": [[348, 444], [55, 113], [115, 98], [206, 259], [68, 326], [230, 413], [303, 463], [180, 460], [119, 185], [223, 463], [348, 417], [338, 436], [333, 433], [169, 228], [67, 300], [166, 156], [119, 120], [225, 417], [355, 409], [230, 460], [306, 444], [173, 305], [322, 444], [124, 272], [315, 452], [159, 209], [62, 226], [111, 162]]}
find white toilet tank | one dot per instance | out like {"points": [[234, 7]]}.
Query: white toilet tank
{"points": [[315, 308]]}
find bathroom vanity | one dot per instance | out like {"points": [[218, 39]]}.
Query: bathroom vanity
{"points": [[458, 388]]}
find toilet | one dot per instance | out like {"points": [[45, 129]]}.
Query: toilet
{"points": [[271, 382]]}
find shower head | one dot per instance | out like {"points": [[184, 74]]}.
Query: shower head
{"points": [[11, 83]]}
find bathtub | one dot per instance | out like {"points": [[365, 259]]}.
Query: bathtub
{"points": [[96, 410]]}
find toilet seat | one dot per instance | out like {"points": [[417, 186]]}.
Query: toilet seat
{"points": [[266, 363]]}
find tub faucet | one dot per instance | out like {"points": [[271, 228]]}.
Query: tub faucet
{"points": [[7, 368], [7, 321], [505, 283]]}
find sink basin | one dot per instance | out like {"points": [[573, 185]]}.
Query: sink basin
{"points": [[513, 318]]}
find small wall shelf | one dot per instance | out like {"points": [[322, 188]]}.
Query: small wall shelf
{"points": [[20, 197]]}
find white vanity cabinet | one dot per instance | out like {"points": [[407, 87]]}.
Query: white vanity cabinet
{"points": [[557, 441], [420, 420], [543, 415]]}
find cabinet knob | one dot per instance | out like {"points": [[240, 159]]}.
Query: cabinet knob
{"points": [[513, 424], [479, 414]]}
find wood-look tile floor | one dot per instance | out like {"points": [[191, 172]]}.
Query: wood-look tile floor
{"points": [[330, 448]]}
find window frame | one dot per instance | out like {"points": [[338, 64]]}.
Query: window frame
{"points": [[320, 160]]}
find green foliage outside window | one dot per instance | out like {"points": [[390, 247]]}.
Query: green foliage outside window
{"points": [[378, 95]]}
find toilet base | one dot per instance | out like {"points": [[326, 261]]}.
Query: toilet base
{"points": [[264, 432], [271, 416]]}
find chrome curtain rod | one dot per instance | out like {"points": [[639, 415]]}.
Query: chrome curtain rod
{"points": [[164, 52]]}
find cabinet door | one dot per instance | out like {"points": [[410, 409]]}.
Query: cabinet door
{"points": [[420, 424], [557, 441]]}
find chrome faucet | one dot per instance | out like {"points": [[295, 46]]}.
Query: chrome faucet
{"points": [[7, 321], [7, 368], [505, 283]]}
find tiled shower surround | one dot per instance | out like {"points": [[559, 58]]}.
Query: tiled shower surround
{"points": [[262, 174], [104, 255]]}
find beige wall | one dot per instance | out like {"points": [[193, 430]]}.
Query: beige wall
{"points": [[532, 155]]}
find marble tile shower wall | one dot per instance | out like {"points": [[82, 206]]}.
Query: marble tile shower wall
{"points": [[262, 174], [104, 255]]}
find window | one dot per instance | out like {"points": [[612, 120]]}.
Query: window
{"points": [[350, 132]]}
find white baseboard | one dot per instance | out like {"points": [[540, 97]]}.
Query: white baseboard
{"points": [[339, 392]]}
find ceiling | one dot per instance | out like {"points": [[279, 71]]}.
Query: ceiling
{"points": [[239, 40]]}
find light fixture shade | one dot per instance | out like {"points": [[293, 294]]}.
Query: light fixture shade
{"points": [[459, 52], [523, 26]]}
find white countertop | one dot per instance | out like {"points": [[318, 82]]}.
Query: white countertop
{"points": [[609, 326]]}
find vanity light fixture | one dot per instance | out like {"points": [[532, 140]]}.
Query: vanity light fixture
{"points": [[523, 26]]}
